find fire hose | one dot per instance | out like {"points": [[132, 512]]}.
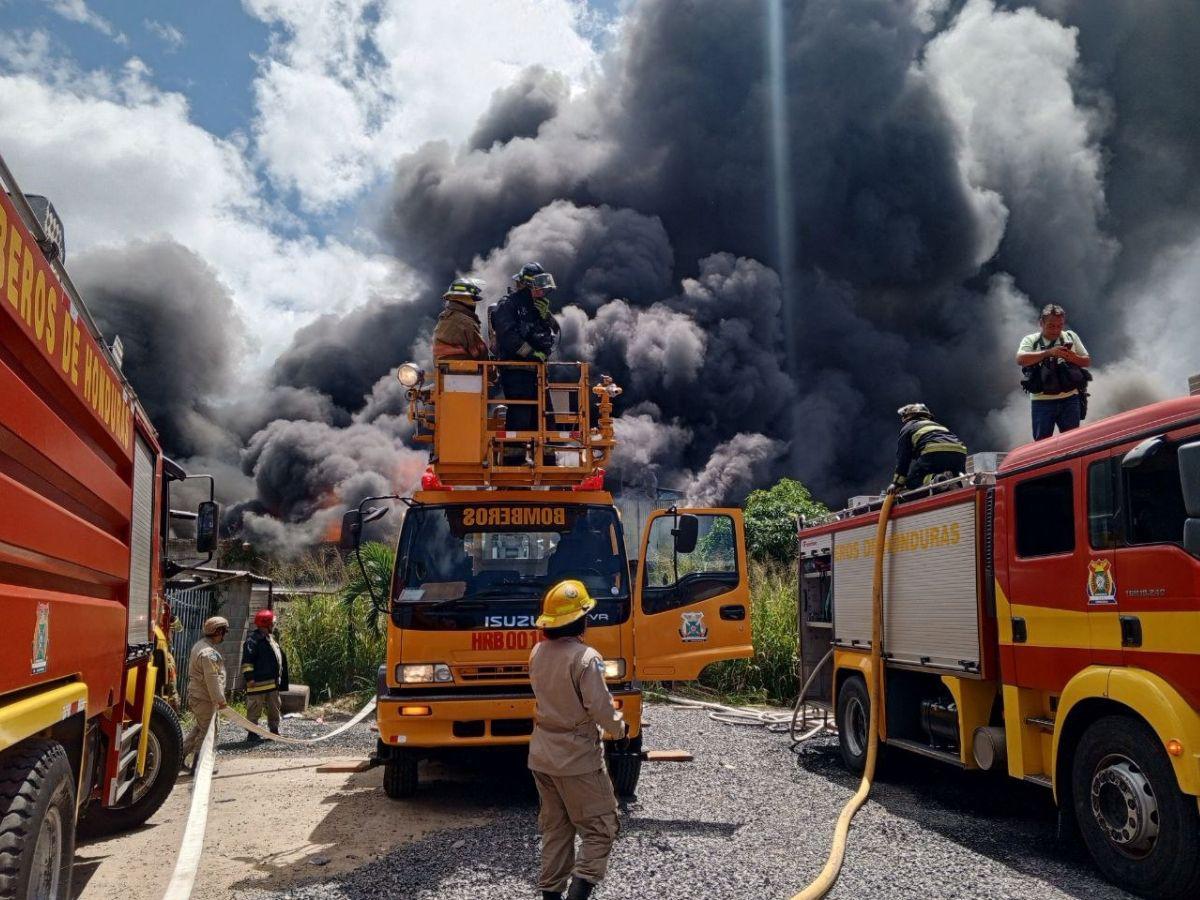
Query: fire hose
{"points": [[772, 721], [833, 865], [191, 847]]}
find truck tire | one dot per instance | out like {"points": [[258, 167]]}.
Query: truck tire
{"points": [[625, 767], [400, 775], [37, 822], [853, 717], [1141, 830], [164, 752]]}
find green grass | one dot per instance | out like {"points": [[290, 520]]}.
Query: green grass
{"points": [[770, 675]]}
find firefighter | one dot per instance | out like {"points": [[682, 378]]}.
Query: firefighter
{"points": [[566, 755], [457, 333], [206, 683], [925, 449], [524, 331], [265, 670]]}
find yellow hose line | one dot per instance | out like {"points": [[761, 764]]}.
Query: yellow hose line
{"points": [[824, 882]]}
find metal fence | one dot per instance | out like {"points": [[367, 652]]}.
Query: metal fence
{"points": [[191, 607]]}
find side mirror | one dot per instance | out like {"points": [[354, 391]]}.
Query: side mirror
{"points": [[1191, 536], [1189, 477], [686, 530], [352, 523], [1142, 452], [208, 515]]}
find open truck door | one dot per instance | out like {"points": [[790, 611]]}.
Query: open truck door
{"points": [[692, 602]]}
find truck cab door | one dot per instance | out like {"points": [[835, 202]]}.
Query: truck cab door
{"points": [[692, 597]]}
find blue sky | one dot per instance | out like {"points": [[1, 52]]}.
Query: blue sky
{"points": [[212, 64], [261, 134]]}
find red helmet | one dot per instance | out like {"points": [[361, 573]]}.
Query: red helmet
{"points": [[264, 618]]}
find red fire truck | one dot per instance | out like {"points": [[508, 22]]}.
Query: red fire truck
{"points": [[84, 505], [1041, 618]]}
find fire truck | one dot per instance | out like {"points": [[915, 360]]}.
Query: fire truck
{"points": [[501, 516], [84, 506], [1041, 618]]}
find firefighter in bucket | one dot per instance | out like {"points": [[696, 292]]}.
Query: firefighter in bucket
{"points": [[566, 755]]}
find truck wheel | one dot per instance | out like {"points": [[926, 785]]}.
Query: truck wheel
{"points": [[853, 717], [1142, 831], [400, 775], [164, 751], [37, 822], [625, 767]]}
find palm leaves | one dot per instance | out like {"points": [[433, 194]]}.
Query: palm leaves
{"points": [[368, 585]]}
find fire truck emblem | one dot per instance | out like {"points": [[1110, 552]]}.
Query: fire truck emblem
{"points": [[41, 640], [1101, 586], [692, 627]]}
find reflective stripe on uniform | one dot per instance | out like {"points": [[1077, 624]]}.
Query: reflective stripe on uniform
{"points": [[943, 448], [926, 429]]}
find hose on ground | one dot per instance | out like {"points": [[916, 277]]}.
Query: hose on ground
{"points": [[822, 884], [772, 721]]}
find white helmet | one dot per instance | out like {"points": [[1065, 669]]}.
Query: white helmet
{"points": [[914, 411]]}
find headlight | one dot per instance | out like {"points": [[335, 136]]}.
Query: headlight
{"points": [[410, 375], [614, 668], [423, 673]]}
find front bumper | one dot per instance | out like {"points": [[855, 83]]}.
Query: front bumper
{"points": [[487, 721]]}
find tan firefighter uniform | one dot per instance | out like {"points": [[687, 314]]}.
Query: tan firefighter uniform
{"points": [[567, 760], [205, 689]]}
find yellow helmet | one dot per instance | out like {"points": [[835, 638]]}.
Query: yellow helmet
{"points": [[563, 604]]}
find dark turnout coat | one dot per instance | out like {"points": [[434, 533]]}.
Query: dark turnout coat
{"points": [[519, 329], [261, 667]]}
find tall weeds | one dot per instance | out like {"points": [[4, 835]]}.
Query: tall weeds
{"points": [[770, 675], [333, 639]]}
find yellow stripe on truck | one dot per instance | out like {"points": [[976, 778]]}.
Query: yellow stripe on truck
{"points": [[1162, 632], [30, 715]]}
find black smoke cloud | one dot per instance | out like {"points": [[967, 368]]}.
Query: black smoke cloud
{"points": [[662, 171], [520, 109], [173, 317], [953, 166]]}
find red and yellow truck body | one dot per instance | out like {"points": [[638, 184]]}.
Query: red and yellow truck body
{"points": [[1029, 608], [81, 529]]}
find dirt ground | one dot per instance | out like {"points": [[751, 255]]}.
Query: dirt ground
{"points": [[274, 822]]}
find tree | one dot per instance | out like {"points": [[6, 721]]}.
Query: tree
{"points": [[771, 519]]}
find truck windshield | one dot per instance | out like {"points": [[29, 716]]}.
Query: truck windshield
{"points": [[508, 551]]}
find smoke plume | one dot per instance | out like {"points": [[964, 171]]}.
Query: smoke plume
{"points": [[953, 167]]}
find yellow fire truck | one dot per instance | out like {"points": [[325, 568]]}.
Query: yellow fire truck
{"points": [[503, 515]]}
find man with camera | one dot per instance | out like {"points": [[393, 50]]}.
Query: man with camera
{"points": [[1054, 362]]}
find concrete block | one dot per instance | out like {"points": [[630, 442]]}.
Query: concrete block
{"points": [[294, 699]]}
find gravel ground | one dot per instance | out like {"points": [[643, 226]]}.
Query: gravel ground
{"points": [[749, 818]]}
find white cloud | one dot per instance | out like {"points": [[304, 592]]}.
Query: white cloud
{"points": [[25, 51], [121, 160], [167, 33], [77, 11], [350, 85]]}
